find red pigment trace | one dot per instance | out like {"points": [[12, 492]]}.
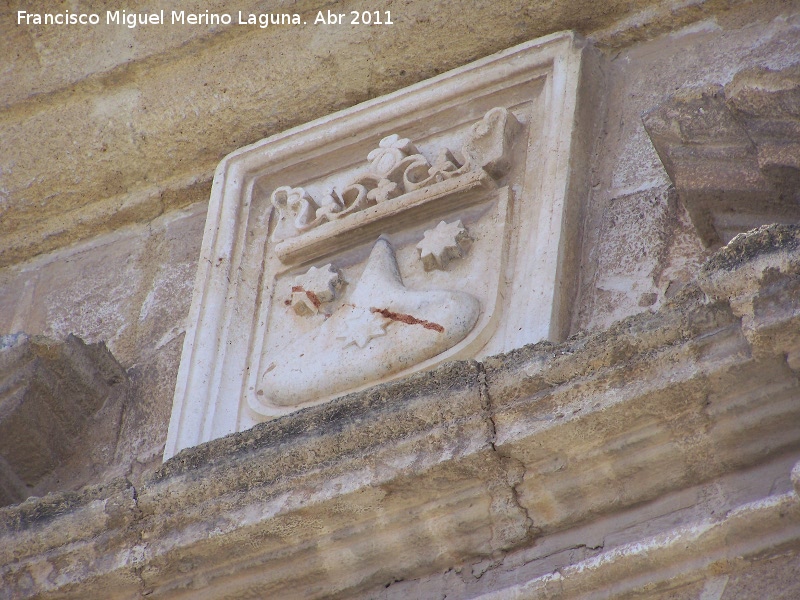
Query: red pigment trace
{"points": [[408, 319], [311, 295]]}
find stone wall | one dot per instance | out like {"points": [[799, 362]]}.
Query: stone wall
{"points": [[653, 459], [108, 141], [105, 169]]}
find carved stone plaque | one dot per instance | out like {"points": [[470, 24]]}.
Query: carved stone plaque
{"points": [[433, 224]]}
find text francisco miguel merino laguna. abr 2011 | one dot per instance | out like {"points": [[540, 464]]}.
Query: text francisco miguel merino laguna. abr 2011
{"points": [[181, 17]]}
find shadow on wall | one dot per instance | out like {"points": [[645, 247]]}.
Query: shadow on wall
{"points": [[61, 405]]}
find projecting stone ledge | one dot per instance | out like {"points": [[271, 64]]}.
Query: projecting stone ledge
{"points": [[57, 399], [733, 153], [550, 449]]}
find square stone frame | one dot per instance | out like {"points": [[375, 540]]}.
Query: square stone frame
{"points": [[210, 391]]}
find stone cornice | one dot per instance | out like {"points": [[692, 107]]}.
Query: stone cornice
{"points": [[458, 464]]}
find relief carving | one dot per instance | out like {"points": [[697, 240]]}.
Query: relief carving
{"points": [[383, 328], [396, 168], [431, 225], [446, 242], [315, 287], [380, 327]]}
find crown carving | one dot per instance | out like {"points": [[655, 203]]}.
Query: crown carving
{"points": [[396, 168]]}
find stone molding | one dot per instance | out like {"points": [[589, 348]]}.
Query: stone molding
{"points": [[733, 152], [417, 249], [403, 480]]}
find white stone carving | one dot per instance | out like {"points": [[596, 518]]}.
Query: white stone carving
{"points": [[488, 140], [360, 325], [447, 241], [388, 196], [382, 329], [314, 288], [397, 168]]}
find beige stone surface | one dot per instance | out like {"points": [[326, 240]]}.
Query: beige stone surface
{"points": [[651, 459], [733, 153], [627, 169], [68, 106], [79, 289], [108, 149], [131, 290]]}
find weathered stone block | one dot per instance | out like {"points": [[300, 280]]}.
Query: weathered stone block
{"points": [[612, 450], [50, 393], [733, 153]]}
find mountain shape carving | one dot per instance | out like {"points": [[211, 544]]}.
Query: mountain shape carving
{"points": [[384, 328]]}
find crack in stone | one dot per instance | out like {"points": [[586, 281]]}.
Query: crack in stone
{"points": [[507, 463], [138, 566], [486, 403]]}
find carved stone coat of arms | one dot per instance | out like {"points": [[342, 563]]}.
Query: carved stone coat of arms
{"points": [[437, 223]]}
